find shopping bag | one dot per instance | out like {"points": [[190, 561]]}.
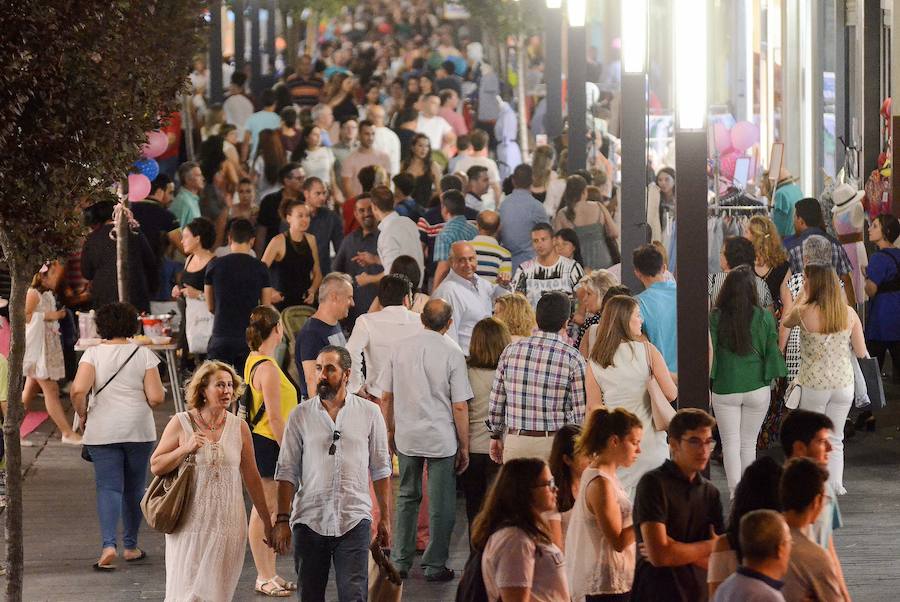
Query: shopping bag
{"points": [[871, 372], [198, 324], [385, 584]]}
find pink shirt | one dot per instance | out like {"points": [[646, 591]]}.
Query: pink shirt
{"points": [[511, 560], [359, 159], [455, 120]]}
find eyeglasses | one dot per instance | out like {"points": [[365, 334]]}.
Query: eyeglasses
{"points": [[551, 484], [336, 436], [698, 444]]}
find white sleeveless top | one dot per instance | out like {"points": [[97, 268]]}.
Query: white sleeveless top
{"points": [[597, 568]]}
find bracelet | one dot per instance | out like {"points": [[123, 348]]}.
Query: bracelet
{"points": [[284, 515], [282, 520]]}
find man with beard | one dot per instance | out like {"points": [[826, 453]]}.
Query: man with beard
{"points": [[363, 239], [332, 444]]}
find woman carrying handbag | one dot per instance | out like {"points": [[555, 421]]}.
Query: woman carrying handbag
{"points": [[623, 370], [205, 553], [119, 431]]}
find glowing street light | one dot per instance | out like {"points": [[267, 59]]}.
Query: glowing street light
{"points": [[690, 64], [634, 36], [577, 12]]}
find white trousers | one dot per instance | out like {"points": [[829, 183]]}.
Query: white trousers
{"points": [[740, 417], [519, 446], [835, 404]]}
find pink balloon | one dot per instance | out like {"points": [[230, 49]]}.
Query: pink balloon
{"points": [[727, 163], [138, 187], [157, 143], [744, 135], [722, 138]]}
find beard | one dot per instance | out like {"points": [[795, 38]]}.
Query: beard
{"points": [[326, 391]]}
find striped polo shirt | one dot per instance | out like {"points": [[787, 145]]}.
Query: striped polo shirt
{"points": [[492, 258]]}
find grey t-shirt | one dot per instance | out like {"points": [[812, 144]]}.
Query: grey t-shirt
{"points": [[810, 573]]}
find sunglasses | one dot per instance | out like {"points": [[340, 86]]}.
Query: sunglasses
{"points": [[336, 436]]}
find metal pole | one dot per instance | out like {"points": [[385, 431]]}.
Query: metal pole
{"points": [[255, 55], [553, 72], [871, 87], [240, 37], [633, 205], [577, 99], [271, 7], [841, 77], [691, 271], [215, 51]]}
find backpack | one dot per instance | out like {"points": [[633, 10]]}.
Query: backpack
{"points": [[471, 586], [245, 403]]}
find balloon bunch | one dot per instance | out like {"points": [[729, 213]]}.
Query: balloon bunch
{"points": [[732, 144], [147, 168]]}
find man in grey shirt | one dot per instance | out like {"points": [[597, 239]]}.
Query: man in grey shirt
{"points": [[766, 548], [332, 444], [811, 573], [426, 382], [519, 213]]}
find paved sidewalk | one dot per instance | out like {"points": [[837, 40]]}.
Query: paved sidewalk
{"points": [[62, 534]]}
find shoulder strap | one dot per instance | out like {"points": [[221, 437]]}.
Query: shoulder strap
{"points": [[257, 417], [110, 379]]}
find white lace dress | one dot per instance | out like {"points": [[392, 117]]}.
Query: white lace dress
{"points": [[204, 556], [597, 568]]}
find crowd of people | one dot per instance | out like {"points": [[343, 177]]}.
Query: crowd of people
{"points": [[387, 292]]}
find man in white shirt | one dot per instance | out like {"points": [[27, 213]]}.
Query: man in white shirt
{"points": [[238, 108], [385, 138], [470, 295], [365, 154], [425, 401], [375, 335], [430, 123], [478, 156], [397, 236], [332, 444]]}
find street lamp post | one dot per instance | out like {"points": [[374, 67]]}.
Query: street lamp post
{"points": [[577, 97], [240, 37], [634, 136], [691, 203], [215, 51], [255, 54], [553, 69]]}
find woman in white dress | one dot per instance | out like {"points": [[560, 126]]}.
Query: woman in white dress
{"points": [[620, 370], [205, 554]]}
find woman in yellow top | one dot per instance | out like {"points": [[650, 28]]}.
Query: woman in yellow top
{"points": [[274, 397]]}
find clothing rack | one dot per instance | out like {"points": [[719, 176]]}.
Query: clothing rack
{"points": [[717, 208]]}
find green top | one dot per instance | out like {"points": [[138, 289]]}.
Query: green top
{"points": [[733, 373]]}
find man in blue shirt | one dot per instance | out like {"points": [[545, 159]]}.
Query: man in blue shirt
{"points": [[519, 213], [456, 228], [657, 303], [265, 119]]}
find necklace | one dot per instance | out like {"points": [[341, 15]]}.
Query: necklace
{"points": [[211, 428]]}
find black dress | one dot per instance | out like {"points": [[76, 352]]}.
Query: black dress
{"points": [[774, 278], [293, 274], [423, 189]]}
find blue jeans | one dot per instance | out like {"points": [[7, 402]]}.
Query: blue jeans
{"points": [[313, 554], [120, 470]]}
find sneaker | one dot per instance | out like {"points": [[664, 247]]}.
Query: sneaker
{"points": [[444, 574]]}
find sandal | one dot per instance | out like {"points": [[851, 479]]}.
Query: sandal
{"points": [[288, 585], [137, 558], [274, 591]]}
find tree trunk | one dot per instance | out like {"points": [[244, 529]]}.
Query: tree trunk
{"points": [[520, 92], [15, 553], [312, 32], [123, 229]]}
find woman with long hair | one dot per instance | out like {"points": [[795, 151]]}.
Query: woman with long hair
{"points": [[340, 95], [274, 397], [757, 490], [317, 160], [198, 239], [665, 183], [288, 132], [423, 169], [771, 258], [221, 179], [566, 466], [828, 326], [489, 338], [204, 555], [516, 312], [591, 222], [519, 561], [542, 171], [620, 366], [408, 267], [269, 160], [566, 243], [601, 528], [745, 361]]}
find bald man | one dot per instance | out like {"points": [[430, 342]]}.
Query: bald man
{"points": [[494, 261], [385, 139], [470, 296]]}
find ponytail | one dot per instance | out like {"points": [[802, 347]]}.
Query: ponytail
{"points": [[602, 425], [263, 320]]}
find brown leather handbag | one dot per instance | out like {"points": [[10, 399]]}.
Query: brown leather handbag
{"points": [[167, 496]]}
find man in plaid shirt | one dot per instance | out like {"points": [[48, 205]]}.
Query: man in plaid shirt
{"points": [[538, 387]]}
